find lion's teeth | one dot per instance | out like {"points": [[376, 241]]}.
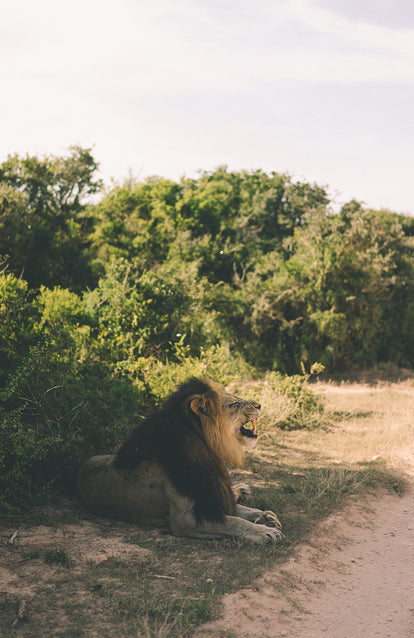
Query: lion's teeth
{"points": [[254, 421]]}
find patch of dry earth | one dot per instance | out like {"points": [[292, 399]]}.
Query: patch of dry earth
{"points": [[355, 578], [82, 542]]}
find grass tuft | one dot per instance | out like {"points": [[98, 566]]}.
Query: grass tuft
{"points": [[56, 556]]}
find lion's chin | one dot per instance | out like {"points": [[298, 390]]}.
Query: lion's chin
{"points": [[249, 436]]}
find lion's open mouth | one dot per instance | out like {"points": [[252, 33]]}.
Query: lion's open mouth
{"points": [[251, 433]]}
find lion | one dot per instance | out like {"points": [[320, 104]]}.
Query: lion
{"points": [[172, 469]]}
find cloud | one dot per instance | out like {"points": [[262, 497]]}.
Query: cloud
{"points": [[354, 33], [192, 47], [388, 13], [168, 87], [150, 48]]}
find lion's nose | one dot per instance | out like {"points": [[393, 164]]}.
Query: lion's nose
{"points": [[257, 405]]}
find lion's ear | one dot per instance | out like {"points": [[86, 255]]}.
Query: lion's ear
{"points": [[204, 406], [197, 405]]}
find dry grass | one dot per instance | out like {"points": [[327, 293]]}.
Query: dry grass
{"points": [[362, 422], [368, 424], [372, 423]]}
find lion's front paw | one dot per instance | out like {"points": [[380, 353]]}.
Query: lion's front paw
{"points": [[241, 492], [264, 535], [275, 535], [269, 519]]}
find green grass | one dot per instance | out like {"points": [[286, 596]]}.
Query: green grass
{"points": [[56, 556]]}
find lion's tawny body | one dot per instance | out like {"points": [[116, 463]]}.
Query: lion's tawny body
{"points": [[134, 496], [171, 470]]}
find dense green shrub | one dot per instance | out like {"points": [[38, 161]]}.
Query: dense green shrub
{"points": [[52, 417], [304, 408], [18, 320], [43, 228]]}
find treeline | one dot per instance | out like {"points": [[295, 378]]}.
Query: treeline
{"points": [[108, 297]]}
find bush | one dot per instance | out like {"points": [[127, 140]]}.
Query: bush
{"points": [[52, 418], [287, 402], [157, 379], [302, 408], [17, 320]]}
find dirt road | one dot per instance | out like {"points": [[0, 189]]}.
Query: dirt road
{"points": [[354, 579]]}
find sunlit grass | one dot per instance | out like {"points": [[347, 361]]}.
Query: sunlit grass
{"points": [[361, 423], [369, 424]]}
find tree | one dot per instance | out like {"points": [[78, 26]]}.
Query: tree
{"points": [[135, 221], [355, 276], [42, 222], [18, 318]]}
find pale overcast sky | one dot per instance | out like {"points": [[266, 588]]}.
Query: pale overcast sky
{"points": [[322, 89]]}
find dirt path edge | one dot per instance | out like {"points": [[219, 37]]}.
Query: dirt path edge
{"points": [[355, 577]]}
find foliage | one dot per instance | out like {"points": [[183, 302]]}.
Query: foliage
{"points": [[343, 297], [355, 272], [147, 314], [289, 401], [54, 413], [42, 226], [304, 407], [17, 320], [109, 298]]}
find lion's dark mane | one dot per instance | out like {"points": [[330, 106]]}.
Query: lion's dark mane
{"points": [[175, 440]]}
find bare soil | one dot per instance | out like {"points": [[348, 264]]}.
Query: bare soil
{"points": [[82, 542], [354, 579]]}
